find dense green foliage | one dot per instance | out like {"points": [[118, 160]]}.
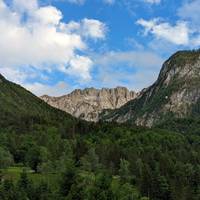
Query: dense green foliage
{"points": [[110, 162], [183, 57], [68, 159], [21, 110]]}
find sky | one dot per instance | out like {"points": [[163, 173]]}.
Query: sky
{"points": [[55, 46]]}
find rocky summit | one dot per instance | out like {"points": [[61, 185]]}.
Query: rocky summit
{"points": [[87, 104], [175, 94]]}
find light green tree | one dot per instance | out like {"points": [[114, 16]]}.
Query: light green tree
{"points": [[6, 158], [124, 171]]}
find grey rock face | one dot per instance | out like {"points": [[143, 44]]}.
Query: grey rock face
{"points": [[176, 93], [89, 103]]}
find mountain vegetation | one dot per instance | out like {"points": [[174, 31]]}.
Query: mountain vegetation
{"points": [[174, 95], [47, 154], [21, 110]]}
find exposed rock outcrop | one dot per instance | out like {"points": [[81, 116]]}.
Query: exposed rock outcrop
{"points": [[89, 103], [175, 94]]}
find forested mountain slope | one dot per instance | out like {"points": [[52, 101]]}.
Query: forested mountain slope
{"points": [[175, 94], [46, 154], [20, 110]]}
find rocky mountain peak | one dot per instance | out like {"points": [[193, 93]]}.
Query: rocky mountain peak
{"points": [[89, 103], [175, 94], [183, 64]]}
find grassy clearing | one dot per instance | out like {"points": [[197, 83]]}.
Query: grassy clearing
{"points": [[14, 174]]}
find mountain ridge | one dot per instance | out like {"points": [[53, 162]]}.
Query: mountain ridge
{"points": [[174, 94], [22, 110], [88, 103]]}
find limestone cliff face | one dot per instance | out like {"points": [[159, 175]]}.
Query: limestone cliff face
{"points": [[175, 94], [89, 103]]}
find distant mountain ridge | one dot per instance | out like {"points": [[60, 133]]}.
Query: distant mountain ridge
{"points": [[87, 104], [175, 94]]}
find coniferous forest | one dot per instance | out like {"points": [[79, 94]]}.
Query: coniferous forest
{"points": [[98, 161]]}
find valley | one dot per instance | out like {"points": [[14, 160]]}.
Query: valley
{"points": [[46, 153]]}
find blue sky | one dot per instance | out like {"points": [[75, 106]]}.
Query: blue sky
{"points": [[55, 46]]}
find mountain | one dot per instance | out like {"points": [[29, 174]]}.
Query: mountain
{"points": [[20, 110], [174, 95], [87, 104], [46, 153]]}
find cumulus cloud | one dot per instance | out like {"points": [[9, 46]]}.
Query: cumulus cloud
{"points": [[177, 34], [82, 65], [33, 36], [93, 28], [88, 28], [185, 31], [48, 15]]}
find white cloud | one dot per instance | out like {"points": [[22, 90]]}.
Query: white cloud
{"points": [[23, 5], [48, 15], [177, 34], [80, 2], [93, 28], [190, 10], [82, 65], [133, 69], [88, 28], [39, 41], [140, 59], [15, 75], [185, 31], [54, 90], [152, 1]]}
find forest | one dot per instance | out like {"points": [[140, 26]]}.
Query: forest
{"points": [[47, 154], [99, 161]]}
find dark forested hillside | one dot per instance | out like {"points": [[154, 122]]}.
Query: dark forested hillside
{"points": [[46, 154], [21, 110]]}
